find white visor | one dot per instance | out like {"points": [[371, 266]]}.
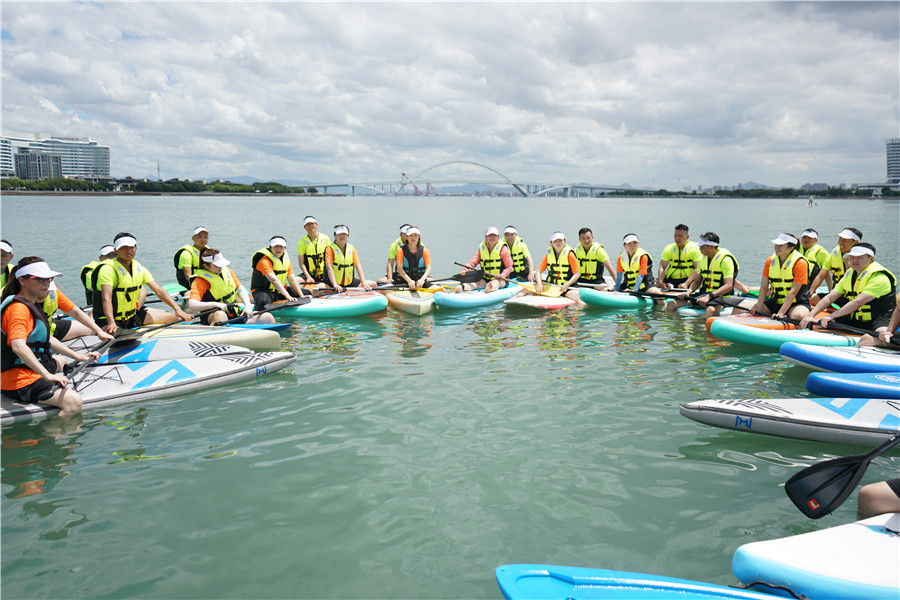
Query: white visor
{"points": [[848, 235], [557, 235], [784, 238], [107, 249], [217, 260], [413, 231], [5, 247], [37, 269], [309, 220], [491, 231], [705, 242], [859, 251], [810, 234], [125, 241], [341, 229], [629, 238], [200, 229], [277, 241], [510, 229], [405, 229]]}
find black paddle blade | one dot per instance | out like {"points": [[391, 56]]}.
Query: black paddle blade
{"points": [[470, 277], [820, 489]]}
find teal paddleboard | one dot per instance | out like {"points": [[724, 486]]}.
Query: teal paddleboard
{"points": [[774, 338]]}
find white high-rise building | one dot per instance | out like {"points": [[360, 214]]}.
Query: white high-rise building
{"points": [[892, 150], [79, 156]]}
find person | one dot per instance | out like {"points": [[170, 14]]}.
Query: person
{"points": [[187, 258], [6, 255], [214, 285], [562, 268], [679, 259], [786, 274], [413, 261], [273, 276], [592, 258], [835, 268], [523, 266], [886, 337], [634, 267], [713, 278], [119, 282], [815, 254], [878, 498], [30, 373], [495, 261], [311, 252], [391, 266], [865, 294], [341, 260], [80, 324], [107, 254]]}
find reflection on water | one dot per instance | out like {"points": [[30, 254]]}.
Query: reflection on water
{"points": [[410, 333], [343, 339]]}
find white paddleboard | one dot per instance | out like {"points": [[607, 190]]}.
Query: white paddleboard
{"points": [[145, 350], [539, 302]]}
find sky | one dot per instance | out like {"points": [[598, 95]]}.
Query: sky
{"points": [[665, 95]]}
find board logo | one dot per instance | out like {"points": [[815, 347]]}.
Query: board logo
{"points": [[813, 505], [742, 422]]}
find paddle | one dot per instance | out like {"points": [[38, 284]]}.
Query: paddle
{"points": [[549, 290], [834, 325], [654, 295], [819, 489], [273, 307]]}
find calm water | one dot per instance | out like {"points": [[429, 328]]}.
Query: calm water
{"points": [[407, 457]]}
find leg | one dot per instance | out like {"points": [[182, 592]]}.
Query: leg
{"points": [[67, 400], [879, 498], [155, 315], [573, 294]]}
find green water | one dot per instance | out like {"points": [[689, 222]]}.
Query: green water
{"points": [[407, 457]]}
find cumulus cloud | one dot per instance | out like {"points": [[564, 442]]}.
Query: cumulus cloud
{"points": [[664, 94]]}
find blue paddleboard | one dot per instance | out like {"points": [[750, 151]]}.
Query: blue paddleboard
{"points": [[855, 385], [856, 359]]}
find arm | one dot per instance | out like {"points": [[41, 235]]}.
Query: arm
{"points": [[359, 272], [507, 263], [530, 265], [763, 292], [846, 309], [106, 291], [663, 265], [301, 260], [166, 298], [80, 316], [824, 303]]}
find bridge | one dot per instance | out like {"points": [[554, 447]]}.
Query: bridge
{"points": [[409, 185]]}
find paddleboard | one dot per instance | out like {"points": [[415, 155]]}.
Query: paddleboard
{"points": [[860, 421], [414, 303], [145, 350], [699, 311], [251, 338], [474, 298], [109, 384], [855, 385], [856, 561], [532, 301], [550, 582], [345, 304], [772, 338], [748, 320], [612, 299], [858, 359]]}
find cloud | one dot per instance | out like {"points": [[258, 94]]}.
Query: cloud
{"points": [[647, 93]]}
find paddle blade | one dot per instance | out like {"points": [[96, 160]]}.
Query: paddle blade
{"points": [[469, 277], [820, 489]]}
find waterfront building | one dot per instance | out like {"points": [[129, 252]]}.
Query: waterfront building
{"points": [[36, 164], [79, 157], [892, 151]]}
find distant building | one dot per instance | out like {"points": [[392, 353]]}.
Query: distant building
{"points": [[35, 164], [892, 151], [79, 157]]}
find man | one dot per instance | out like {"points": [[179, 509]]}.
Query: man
{"points": [[523, 266], [311, 252], [187, 258], [216, 286], [679, 259], [391, 266], [495, 261], [714, 277], [341, 260], [6, 255], [119, 284], [815, 254], [107, 254], [865, 294], [272, 274], [592, 259], [834, 267]]}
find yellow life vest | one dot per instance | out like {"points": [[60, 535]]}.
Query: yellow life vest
{"points": [[491, 263], [836, 265], [518, 252], [681, 263], [314, 253], [631, 268], [589, 263], [280, 266], [711, 275], [51, 304], [195, 263], [882, 306], [559, 271], [343, 264], [222, 287], [781, 278], [5, 275], [125, 293]]}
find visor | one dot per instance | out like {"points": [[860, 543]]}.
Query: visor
{"points": [[629, 238], [107, 249], [309, 220], [810, 233], [859, 251], [491, 231], [200, 229], [510, 229], [341, 229], [413, 231], [5, 247], [557, 235], [848, 235], [277, 241], [217, 260], [784, 238], [37, 269], [125, 241], [705, 242], [404, 229]]}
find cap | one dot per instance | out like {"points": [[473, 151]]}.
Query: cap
{"points": [[217, 259], [125, 241], [629, 238], [810, 233], [277, 241], [341, 229], [848, 235], [491, 231], [859, 251], [557, 235], [784, 238], [200, 229], [107, 249], [413, 231], [37, 269], [309, 220], [5, 247], [705, 242], [510, 229]]}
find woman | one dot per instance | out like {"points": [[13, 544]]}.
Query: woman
{"points": [[214, 285], [341, 260], [273, 273], [413, 261], [562, 266], [786, 274], [634, 267], [30, 373]]}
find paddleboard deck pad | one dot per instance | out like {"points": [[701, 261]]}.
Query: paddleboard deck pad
{"points": [[856, 561], [145, 350], [549, 582], [858, 359], [413, 303], [860, 421], [539, 302], [855, 385], [251, 338]]}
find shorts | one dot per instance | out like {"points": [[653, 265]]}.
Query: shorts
{"points": [[894, 484], [263, 298], [774, 306], [872, 325], [61, 328], [136, 320], [37, 391], [676, 281]]}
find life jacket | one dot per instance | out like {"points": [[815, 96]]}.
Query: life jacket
{"points": [[518, 254], [491, 263], [258, 281], [85, 276], [38, 340], [125, 293], [814, 255], [781, 278], [681, 265], [559, 271], [195, 263], [589, 262], [222, 287], [711, 275], [343, 264], [876, 308], [630, 268], [413, 263], [5, 275], [836, 265], [51, 303], [314, 254]]}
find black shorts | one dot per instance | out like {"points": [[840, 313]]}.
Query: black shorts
{"points": [[894, 484], [774, 306], [676, 281], [872, 325], [61, 328], [136, 320], [38, 391], [263, 298]]}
